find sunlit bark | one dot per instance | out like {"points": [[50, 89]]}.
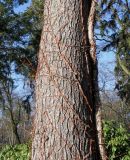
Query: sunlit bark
{"points": [[65, 121]]}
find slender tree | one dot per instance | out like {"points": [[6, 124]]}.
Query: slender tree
{"points": [[66, 84]]}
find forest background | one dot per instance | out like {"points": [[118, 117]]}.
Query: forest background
{"points": [[20, 30]]}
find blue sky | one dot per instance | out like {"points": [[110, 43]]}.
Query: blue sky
{"points": [[106, 65], [22, 8]]}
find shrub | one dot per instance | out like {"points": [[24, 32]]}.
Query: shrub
{"points": [[117, 141], [16, 152]]}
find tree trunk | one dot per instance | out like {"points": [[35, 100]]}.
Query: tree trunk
{"points": [[15, 129], [12, 120], [65, 121]]}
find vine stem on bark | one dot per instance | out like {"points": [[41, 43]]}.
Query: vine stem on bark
{"points": [[65, 126]]}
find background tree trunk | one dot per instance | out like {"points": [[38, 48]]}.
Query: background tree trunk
{"points": [[65, 124]]}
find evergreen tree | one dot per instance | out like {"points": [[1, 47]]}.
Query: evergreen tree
{"points": [[19, 37], [31, 21], [16, 38]]}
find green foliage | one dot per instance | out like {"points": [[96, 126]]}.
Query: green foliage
{"points": [[17, 152], [31, 21], [117, 141], [19, 37], [19, 41]]}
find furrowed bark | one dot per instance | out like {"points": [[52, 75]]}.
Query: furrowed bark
{"points": [[65, 125]]}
